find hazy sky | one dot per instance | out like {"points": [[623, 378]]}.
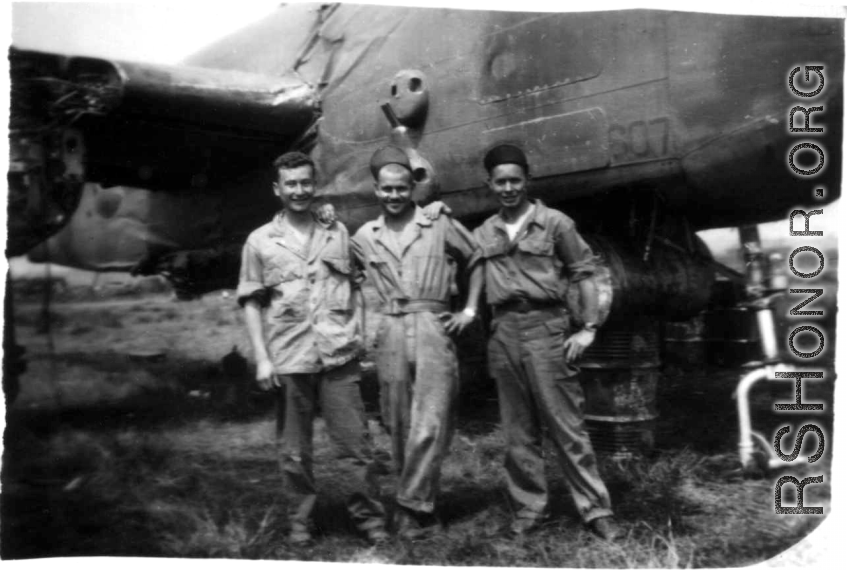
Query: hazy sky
{"points": [[167, 32], [152, 32]]}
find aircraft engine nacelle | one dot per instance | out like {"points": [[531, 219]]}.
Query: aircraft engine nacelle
{"points": [[45, 179], [639, 288], [671, 283]]}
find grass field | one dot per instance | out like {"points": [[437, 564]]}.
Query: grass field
{"points": [[117, 445]]}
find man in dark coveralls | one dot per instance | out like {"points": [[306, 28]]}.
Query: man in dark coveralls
{"points": [[530, 252], [296, 272], [412, 261]]}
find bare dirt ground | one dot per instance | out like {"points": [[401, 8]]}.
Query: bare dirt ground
{"points": [[125, 442]]}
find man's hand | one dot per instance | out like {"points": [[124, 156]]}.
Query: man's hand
{"points": [[455, 323], [434, 210], [265, 375], [576, 344], [326, 214]]}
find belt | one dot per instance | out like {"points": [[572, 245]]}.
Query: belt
{"points": [[406, 306], [525, 306]]}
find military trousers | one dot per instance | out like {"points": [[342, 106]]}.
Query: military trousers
{"points": [[358, 467], [537, 388], [418, 372]]}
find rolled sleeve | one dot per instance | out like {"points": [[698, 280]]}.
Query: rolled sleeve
{"points": [[582, 270], [461, 243], [250, 283], [357, 263], [477, 256], [577, 256]]}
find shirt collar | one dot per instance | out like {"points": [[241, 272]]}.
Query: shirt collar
{"points": [[321, 236], [419, 218], [538, 216], [280, 228]]}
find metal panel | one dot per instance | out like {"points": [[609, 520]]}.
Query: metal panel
{"points": [[540, 54], [570, 142]]}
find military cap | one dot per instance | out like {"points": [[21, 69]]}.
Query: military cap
{"points": [[504, 154], [389, 155]]}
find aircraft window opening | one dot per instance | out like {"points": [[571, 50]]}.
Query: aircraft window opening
{"points": [[513, 67], [420, 174], [394, 90], [415, 84]]}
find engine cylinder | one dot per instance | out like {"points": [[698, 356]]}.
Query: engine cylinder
{"points": [[620, 374], [671, 284], [621, 369]]}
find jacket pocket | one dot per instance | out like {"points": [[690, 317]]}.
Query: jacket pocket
{"points": [[536, 247], [337, 283], [338, 264], [558, 327], [490, 250], [273, 275]]}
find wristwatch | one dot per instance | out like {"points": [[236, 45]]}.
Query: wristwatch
{"points": [[590, 327], [469, 312]]}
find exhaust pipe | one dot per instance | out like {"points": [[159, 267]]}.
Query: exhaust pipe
{"points": [[747, 438], [763, 458]]}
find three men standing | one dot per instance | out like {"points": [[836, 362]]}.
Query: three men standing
{"points": [[303, 273]]}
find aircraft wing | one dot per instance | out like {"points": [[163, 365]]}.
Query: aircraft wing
{"points": [[81, 119]]}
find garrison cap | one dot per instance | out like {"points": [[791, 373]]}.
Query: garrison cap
{"points": [[389, 155], [504, 154]]}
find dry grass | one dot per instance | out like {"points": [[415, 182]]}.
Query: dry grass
{"points": [[127, 462]]}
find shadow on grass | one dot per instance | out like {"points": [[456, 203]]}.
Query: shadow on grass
{"points": [[182, 390], [56, 501], [466, 499], [204, 488]]}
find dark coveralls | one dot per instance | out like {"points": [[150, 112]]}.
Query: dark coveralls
{"points": [[415, 358], [526, 280], [314, 340]]}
